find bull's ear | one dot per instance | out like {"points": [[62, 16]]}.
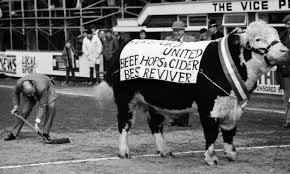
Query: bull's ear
{"points": [[244, 38], [234, 39]]}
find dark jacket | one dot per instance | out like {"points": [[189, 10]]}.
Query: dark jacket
{"points": [[44, 94], [284, 70], [68, 57], [217, 35], [110, 46]]}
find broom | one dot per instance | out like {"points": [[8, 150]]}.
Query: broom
{"points": [[46, 141]]}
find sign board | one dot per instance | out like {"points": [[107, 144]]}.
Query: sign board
{"points": [[162, 60], [208, 7], [267, 84], [7, 63], [20, 63]]}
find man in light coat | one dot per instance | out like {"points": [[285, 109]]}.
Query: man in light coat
{"points": [[178, 33], [92, 48]]}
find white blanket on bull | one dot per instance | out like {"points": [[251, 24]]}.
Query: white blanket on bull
{"points": [[162, 60]]}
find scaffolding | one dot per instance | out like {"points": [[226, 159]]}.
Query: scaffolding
{"points": [[42, 25]]}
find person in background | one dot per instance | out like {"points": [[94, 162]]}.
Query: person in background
{"points": [[117, 36], [142, 34], [204, 35], [34, 87], [92, 48], [213, 28], [68, 55], [110, 46], [102, 36], [283, 72], [178, 33]]}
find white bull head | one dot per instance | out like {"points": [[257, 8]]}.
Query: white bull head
{"points": [[265, 43]]}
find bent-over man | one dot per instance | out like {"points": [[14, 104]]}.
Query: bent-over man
{"points": [[34, 88]]}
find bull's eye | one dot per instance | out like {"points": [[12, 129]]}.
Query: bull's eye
{"points": [[258, 39]]}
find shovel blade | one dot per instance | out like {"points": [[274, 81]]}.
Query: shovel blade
{"points": [[58, 141]]}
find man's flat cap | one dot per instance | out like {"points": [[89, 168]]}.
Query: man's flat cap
{"points": [[212, 23], [178, 25]]}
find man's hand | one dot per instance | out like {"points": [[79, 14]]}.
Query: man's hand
{"points": [[36, 127], [14, 110]]}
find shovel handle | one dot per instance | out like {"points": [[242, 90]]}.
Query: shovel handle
{"points": [[28, 124]]}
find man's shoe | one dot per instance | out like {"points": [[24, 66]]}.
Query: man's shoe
{"points": [[172, 123], [47, 137], [9, 137], [287, 125]]}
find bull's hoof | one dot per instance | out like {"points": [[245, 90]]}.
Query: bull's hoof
{"points": [[211, 160], [124, 156], [231, 156], [165, 154], [230, 152]]}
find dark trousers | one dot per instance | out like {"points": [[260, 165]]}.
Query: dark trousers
{"points": [[70, 69], [182, 120], [97, 69], [27, 106], [107, 65]]}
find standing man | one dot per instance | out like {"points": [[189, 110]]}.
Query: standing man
{"points": [[203, 35], [283, 73], [213, 28], [178, 34], [142, 34], [68, 54], [92, 48], [111, 45], [34, 87]]}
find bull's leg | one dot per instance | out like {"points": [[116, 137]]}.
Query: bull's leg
{"points": [[124, 126], [229, 148], [155, 121], [210, 130]]}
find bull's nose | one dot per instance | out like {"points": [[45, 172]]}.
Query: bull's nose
{"points": [[284, 50]]}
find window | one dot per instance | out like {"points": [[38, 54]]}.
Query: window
{"points": [[235, 19], [194, 22], [161, 21], [197, 21], [273, 19]]}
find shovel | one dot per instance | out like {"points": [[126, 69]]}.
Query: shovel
{"points": [[46, 141]]}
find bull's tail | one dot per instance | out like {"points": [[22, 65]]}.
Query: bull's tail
{"points": [[104, 92]]}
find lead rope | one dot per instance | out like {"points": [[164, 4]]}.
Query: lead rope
{"points": [[280, 140], [215, 84]]}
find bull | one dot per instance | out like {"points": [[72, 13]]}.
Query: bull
{"points": [[254, 52]]}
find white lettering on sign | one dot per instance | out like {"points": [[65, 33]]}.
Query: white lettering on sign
{"points": [[245, 6], [8, 63], [284, 3], [261, 5], [267, 84], [162, 60]]}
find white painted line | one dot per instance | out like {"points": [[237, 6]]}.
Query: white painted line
{"points": [[265, 110], [6, 86], [59, 91], [74, 94], [137, 156], [88, 95]]}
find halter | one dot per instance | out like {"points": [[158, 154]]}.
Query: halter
{"points": [[262, 51]]}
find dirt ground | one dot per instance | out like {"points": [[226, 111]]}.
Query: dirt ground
{"points": [[92, 129]]}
